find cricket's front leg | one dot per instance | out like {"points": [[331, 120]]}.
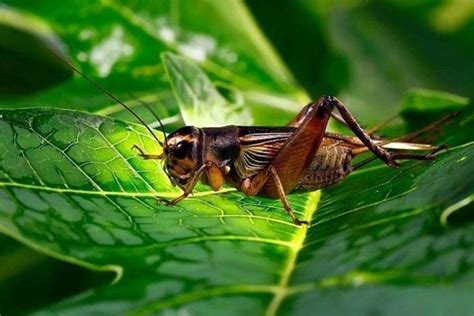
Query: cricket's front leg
{"points": [[146, 156], [189, 187]]}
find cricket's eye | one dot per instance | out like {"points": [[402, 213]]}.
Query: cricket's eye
{"points": [[181, 149]]}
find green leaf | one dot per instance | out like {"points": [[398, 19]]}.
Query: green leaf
{"points": [[199, 100], [73, 188], [27, 273], [422, 100], [421, 105]]}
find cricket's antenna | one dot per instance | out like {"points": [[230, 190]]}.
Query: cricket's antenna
{"points": [[154, 115], [110, 95]]}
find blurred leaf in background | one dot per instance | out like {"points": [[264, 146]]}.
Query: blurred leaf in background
{"points": [[370, 52], [26, 273], [27, 64], [120, 43], [72, 188]]}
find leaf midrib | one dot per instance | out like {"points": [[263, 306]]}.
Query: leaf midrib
{"points": [[280, 290], [297, 241]]}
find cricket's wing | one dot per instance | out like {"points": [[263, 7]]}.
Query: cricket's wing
{"points": [[258, 148]]}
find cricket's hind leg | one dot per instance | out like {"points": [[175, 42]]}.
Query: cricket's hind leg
{"points": [[404, 143], [361, 134], [350, 121], [371, 131], [428, 156], [380, 147]]}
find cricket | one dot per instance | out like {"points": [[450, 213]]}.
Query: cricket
{"points": [[274, 161]]}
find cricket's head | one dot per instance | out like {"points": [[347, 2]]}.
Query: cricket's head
{"points": [[181, 153]]}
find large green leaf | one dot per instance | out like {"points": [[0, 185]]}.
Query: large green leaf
{"points": [[72, 187]]}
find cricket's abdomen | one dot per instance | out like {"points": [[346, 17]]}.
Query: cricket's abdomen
{"points": [[331, 164]]}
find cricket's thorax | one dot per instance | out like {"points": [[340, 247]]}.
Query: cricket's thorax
{"points": [[331, 164], [241, 152], [221, 145]]}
